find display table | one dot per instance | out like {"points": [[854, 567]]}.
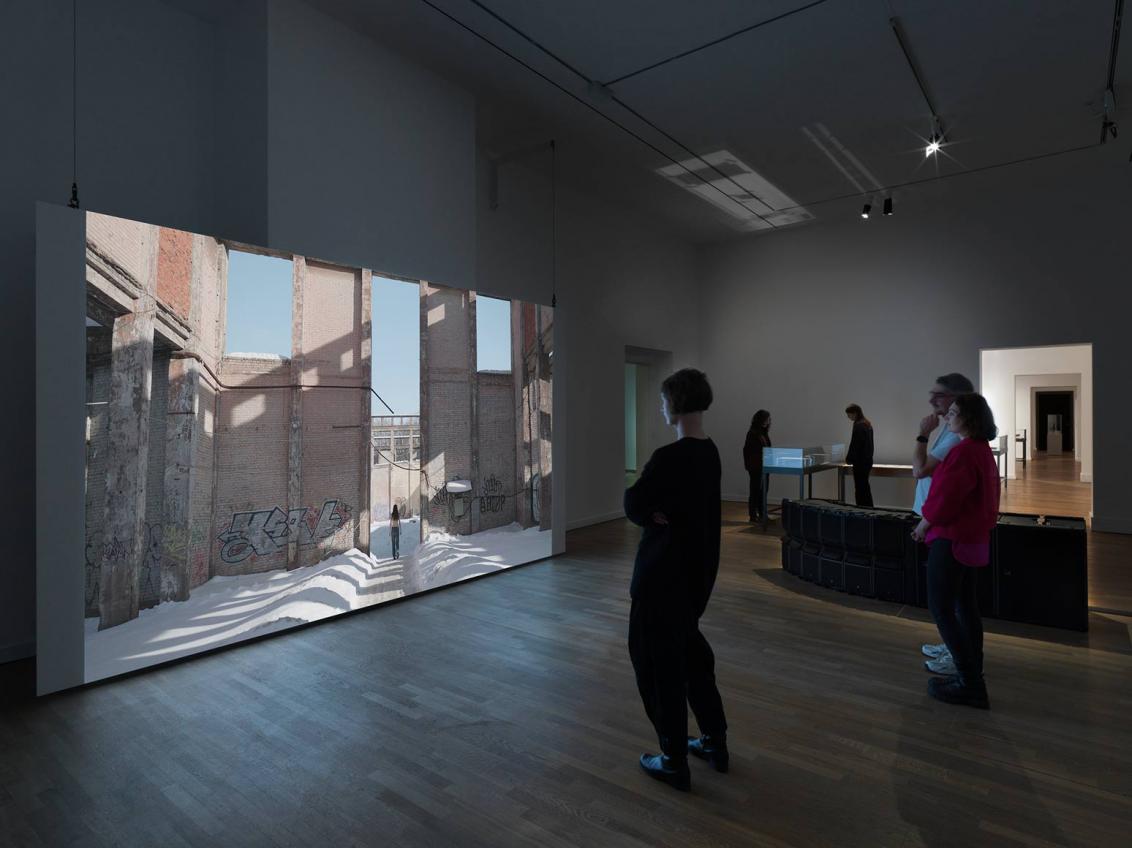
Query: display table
{"points": [[845, 469], [1038, 572], [802, 463]]}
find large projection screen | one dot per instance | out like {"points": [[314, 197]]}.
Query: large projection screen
{"points": [[241, 440]]}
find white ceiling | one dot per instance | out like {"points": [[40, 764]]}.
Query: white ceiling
{"points": [[1010, 78]]}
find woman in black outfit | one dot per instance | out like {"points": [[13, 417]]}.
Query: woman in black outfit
{"points": [[677, 502], [758, 437], [860, 454]]}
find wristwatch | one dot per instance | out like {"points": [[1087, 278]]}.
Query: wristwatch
{"points": [[922, 439]]}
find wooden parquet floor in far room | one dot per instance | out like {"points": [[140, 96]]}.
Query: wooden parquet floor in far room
{"points": [[503, 712]]}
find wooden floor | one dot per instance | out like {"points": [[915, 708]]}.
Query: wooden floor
{"points": [[503, 712]]}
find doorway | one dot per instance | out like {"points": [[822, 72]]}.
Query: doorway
{"points": [[1054, 431], [645, 370], [1042, 399]]}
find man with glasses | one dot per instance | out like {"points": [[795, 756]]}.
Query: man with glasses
{"points": [[924, 462]]}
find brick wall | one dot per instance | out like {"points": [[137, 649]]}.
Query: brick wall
{"points": [[331, 329], [174, 270], [495, 489], [252, 437], [447, 397], [128, 243], [331, 475]]}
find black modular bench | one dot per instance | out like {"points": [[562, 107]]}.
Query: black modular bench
{"points": [[1038, 572]]}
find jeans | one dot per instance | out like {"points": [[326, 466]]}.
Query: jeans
{"points": [[675, 669], [395, 537], [953, 599]]}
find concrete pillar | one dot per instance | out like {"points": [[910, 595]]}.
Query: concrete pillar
{"points": [[474, 391], [519, 371], [365, 410], [544, 416], [426, 484], [127, 454], [295, 443], [177, 506]]}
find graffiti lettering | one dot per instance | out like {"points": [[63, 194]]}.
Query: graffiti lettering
{"points": [[492, 498], [268, 531]]}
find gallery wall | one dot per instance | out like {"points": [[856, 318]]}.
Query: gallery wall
{"points": [[849, 310], [203, 116]]}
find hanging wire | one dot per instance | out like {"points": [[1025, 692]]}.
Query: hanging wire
{"points": [[74, 201], [553, 225]]}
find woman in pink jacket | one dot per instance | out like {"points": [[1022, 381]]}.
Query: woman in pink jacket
{"points": [[959, 515]]}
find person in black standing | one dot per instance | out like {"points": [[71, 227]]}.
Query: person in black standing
{"points": [[677, 502], [860, 455], [758, 437], [395, 531]]}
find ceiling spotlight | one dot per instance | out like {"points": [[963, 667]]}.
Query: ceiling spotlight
{"points": [[888, 206], [866, 209], [933, 146]]}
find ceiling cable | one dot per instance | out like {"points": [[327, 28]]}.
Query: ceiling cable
{"points": [[74, 201], [598, 88], [711, 43]]}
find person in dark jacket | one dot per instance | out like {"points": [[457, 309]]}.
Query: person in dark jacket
{"points": [[395, 531], [860, 454], [677, 502], [758, 437]]}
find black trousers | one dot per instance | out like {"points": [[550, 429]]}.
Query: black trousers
{"points": [[675, 669], [953, 599], [862, 491], [755, 497], [395, 538]]}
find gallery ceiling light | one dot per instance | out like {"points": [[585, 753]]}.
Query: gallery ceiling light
{"points": [[866, 209], [935, 140], [888, 206]]}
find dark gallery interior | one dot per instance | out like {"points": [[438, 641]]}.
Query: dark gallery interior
{"points": [[625, 423]]}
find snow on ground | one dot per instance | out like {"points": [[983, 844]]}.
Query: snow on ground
{"points": [[445, 559], [229, 609]]}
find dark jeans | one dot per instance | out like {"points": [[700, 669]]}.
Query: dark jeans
{"points": [[675, 669], [755, 498], [862, 491], [953, 599], [395, 537]]}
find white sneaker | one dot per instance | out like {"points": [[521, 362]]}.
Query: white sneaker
{"points": [[934, 652], [944, 665]]}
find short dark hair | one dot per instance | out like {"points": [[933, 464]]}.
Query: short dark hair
{"points": [[956, 384], [758, 421], [854, 410], [977, 417], [687, 391]]}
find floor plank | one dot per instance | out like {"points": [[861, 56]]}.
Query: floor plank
{"points": [[503, 712]]}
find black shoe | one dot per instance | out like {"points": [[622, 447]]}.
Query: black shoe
{"points": [[673, 772], [712, 749], [956, 690]]}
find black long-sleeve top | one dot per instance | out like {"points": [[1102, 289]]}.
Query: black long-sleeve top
{"points": [[753, 451], [680, 560], [860, 451]]}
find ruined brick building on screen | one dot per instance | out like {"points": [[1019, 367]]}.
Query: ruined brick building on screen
{"points": [[201, 464]]}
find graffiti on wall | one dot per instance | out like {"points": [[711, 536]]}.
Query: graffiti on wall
{"points": [[492, 498], [268, 531]]}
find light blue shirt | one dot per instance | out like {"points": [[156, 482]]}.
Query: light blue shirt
{"points": [[944, 442]]}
